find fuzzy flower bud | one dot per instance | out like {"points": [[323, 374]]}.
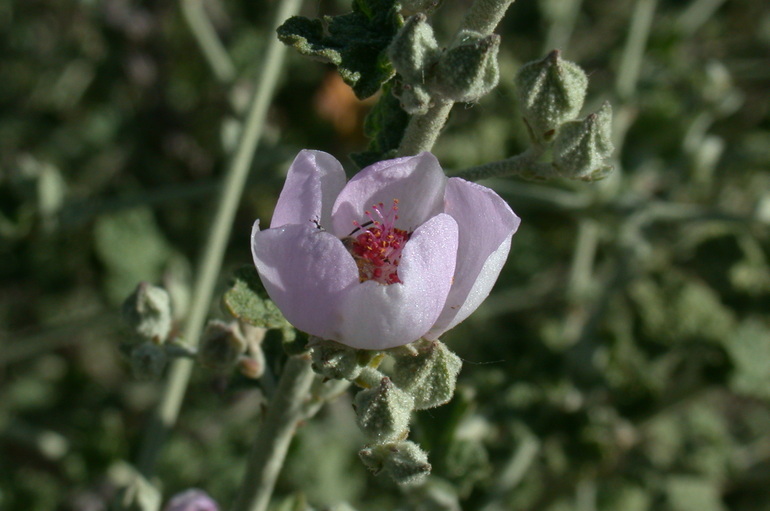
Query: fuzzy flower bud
{"points": [[414, 49], [191, 500], [582, 147], [222, 345], [148, 361], [468, 69], [551, 91], [428, 372], [405, 462], [383, 412], [335, 361], [148, 311]]}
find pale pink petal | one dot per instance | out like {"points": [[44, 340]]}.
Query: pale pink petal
{"points": [[307, 273], [486, 224], [416, 181], [378, 316], [312, 184]]}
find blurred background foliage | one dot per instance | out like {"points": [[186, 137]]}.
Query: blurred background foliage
{"points": [[622, 362]]}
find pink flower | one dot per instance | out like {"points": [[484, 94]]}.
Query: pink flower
{"points": [[191, 500], [398, 253]]}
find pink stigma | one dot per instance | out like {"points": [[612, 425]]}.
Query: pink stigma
{"points": [[377, 249]]}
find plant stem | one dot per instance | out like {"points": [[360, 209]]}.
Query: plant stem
{"points": [[423, 130], [284, 413], [204, 33], [168, 409]]}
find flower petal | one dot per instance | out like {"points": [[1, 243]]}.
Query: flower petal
{"points": [[312, 184], [378, 316], [416, 181], [486, 225], [307, 273]]}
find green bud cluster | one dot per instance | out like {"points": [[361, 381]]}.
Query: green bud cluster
{"points": [[464, 72], [417, 376], [551, 92]]}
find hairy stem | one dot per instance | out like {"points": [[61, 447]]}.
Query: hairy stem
{"points": [[284, 413], [423, 130], [168, 409]]}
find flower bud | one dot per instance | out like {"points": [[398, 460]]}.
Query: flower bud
{"points": [[468, 69], [550, 92], [383, 412], [191, 500], [404, 461], [582, 147], [414, 98], [335, 361], [148, 361], [428, 372], [221, 346], [414, 49], [148, 311]]}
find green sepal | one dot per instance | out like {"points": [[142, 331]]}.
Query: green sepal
{"points": [[355, 42], [247, 300]]}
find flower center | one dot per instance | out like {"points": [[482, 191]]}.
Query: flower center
{"points": [[377, 244]]}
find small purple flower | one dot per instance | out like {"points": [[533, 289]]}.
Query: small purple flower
{"points": [[191, 500], [396, 254]]}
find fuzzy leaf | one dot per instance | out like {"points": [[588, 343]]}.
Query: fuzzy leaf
{"points": [[355, 42], [247, 300]]}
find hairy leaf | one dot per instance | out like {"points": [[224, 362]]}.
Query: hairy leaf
{"points": [[247, 300], [355, 42]]}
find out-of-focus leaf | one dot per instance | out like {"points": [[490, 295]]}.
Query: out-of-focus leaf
{"points": [[132, 249], [686, 493], [385, 126], [749, 348]]}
